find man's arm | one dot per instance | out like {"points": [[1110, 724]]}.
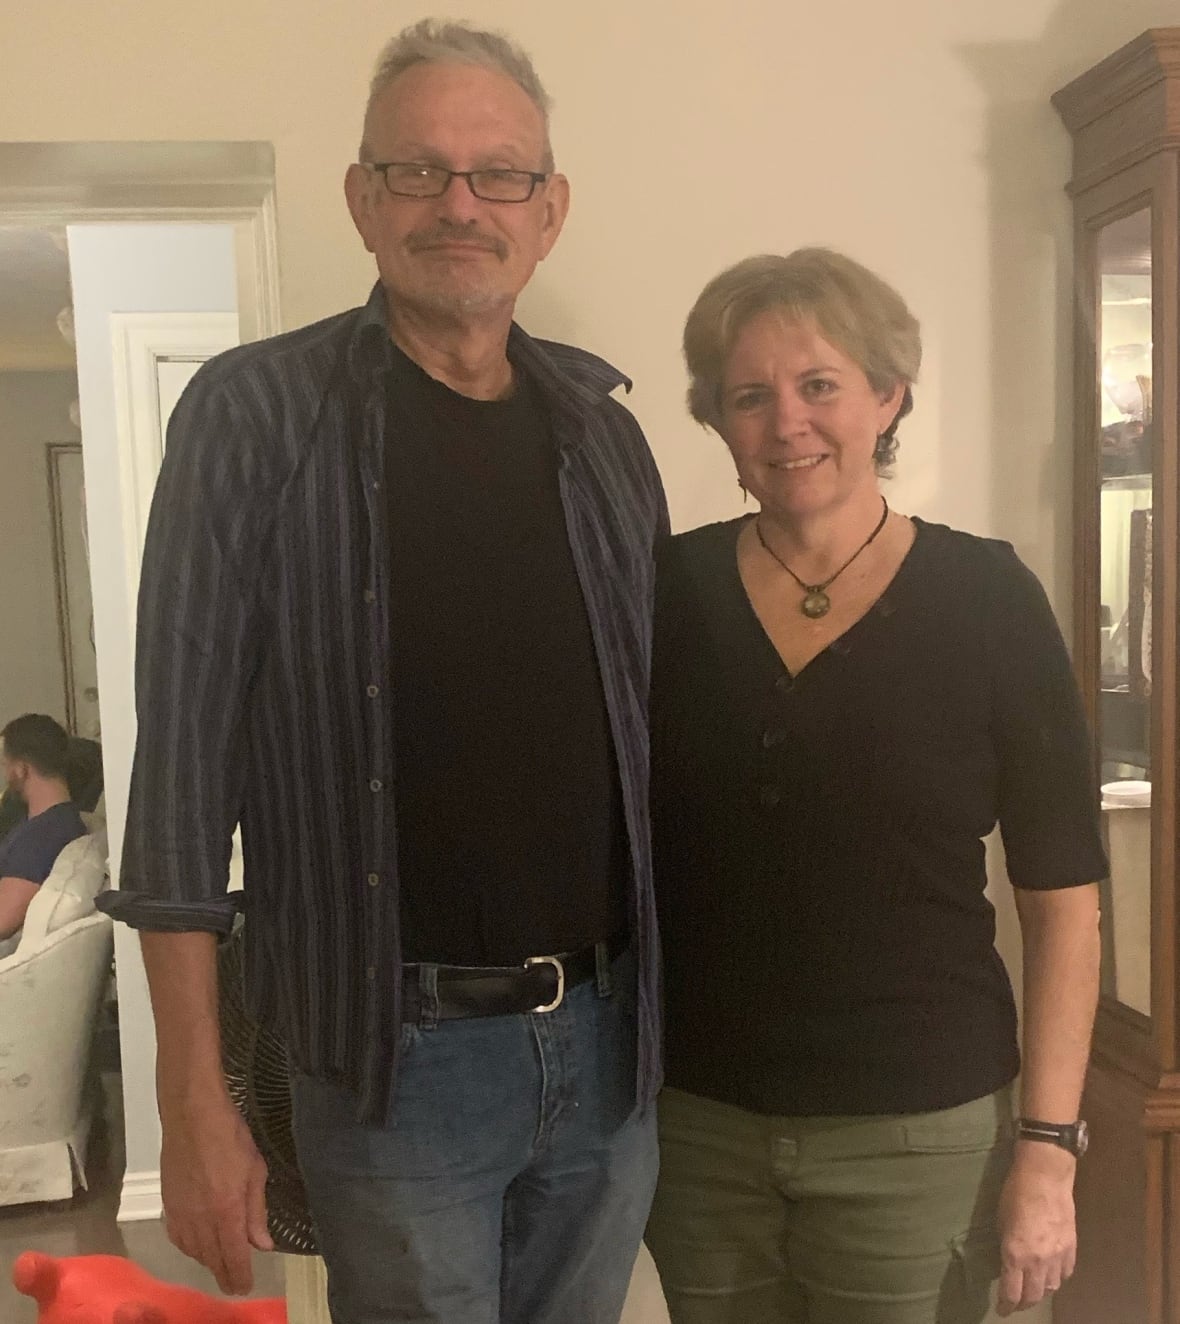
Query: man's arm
{"points": [[212, 1177], [1061, 957], [15, 896], [196, 645]]}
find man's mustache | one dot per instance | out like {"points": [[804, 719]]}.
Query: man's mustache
{"points": [[448, 234]]}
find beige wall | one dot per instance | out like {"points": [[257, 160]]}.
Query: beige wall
{"points": [[917, 135], [34, 410]]}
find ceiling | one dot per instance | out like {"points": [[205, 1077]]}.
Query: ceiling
{"points": [[34, 288]]}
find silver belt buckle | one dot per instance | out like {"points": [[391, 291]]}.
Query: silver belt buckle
{"points": [[555, 962]]}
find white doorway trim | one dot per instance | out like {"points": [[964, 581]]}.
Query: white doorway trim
{"points": [[144, 344], [256, 244]]}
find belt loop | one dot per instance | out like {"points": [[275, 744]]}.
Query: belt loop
{"points": [[602, 970], [428, 996]]}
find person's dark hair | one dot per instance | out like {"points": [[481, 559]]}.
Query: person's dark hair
{"points": [[84, 773], [39, 740]]}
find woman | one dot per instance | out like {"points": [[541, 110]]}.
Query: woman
{"points": [[845, 702]]}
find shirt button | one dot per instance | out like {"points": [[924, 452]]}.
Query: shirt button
{"points": [[374, 879], [770, 796], [369, 595], [372, 691], [784, 683], [375, 785], [371, 973], [774, 735]]}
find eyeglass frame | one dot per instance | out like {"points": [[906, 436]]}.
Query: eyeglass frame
{"points": [[535, 178]]}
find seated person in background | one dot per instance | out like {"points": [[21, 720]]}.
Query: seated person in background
{"points": [[83, 777], [34, 752]]}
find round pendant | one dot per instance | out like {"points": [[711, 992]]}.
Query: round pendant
{"points": [[815, 604]]}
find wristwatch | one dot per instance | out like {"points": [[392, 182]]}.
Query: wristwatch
{"points": [[1075, 1138]]}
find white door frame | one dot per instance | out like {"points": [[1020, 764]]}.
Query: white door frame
{"points": [[254, 227], [146, 340], [141, 342]]}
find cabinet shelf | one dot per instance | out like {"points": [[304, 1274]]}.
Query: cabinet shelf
{"points": [[1127, 483]]}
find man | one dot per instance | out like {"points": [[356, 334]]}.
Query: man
{"points": [[84, 774], [395, 618], [34, 752]]}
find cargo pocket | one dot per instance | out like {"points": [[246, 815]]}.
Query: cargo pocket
{"points": [[975, 1265]]}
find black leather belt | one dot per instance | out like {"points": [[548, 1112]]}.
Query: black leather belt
{"points": [[540, 984]]}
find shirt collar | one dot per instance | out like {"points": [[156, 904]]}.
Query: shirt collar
{"points": [[368, 344], [573, 378]]}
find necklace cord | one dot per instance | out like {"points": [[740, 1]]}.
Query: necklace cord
{"points": [[831, 579]]}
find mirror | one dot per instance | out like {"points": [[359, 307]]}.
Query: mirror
{"points": [[1125, 583]]}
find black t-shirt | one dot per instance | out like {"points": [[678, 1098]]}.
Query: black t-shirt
{"points": [[818, 838], [511, 839]]}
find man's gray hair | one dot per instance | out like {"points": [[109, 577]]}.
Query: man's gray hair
{"points": [[436, 41]]}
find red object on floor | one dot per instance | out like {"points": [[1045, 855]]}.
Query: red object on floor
{"points": [[106, 1289]]}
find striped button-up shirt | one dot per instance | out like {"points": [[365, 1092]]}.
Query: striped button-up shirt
{"points": [[263, 667]]}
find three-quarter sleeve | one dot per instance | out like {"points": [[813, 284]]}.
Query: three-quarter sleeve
{"points": [[1048, 801]]}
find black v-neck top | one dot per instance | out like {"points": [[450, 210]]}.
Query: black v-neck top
{"points": [[818, 839]]}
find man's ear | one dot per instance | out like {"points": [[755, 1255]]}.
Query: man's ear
{"points": [[359, 194], [557, 206]]}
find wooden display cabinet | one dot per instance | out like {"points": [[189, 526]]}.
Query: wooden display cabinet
{"points": [[1124, 116]]}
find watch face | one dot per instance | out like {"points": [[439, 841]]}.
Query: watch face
{"points": [[1082, 1139]]}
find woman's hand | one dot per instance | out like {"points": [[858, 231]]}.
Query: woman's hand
{"points": [[1038, 1235]]}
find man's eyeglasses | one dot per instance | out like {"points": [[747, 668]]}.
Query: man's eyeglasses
{"points": [[406, 179]]}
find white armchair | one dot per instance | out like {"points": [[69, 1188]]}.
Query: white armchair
{"points": [[50, 988]]}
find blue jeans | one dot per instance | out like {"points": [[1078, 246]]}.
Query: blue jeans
{"points": [[512, 1181]]}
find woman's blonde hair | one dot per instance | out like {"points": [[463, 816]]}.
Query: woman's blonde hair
{"points": [[846, 303]]}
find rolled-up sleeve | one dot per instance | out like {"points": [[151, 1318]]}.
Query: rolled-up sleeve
{"points": [[196, 654]]}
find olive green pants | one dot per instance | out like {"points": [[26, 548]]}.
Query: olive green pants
{"points": [[828, 1220]]}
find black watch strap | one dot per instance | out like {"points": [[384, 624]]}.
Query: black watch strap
{"points": [[1073, 1137]]}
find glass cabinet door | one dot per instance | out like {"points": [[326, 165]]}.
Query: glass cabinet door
{"points": [[1125, 444]]}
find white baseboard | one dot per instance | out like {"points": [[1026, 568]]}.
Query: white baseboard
{"points": [[307, 1290], [141, 1198]]}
